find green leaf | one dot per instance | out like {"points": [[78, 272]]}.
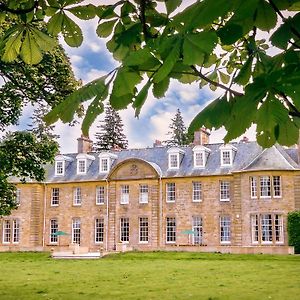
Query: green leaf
{"points": [[230, 33], [120, 102], [105, 29], [125, 82], [84, 12], [266, 17], [244, 75], [45, 42], [71, 32], [159, 89], [195, 45], [93, 111], [225, 78], [169, 63], [126, 9], [66, 109], [55, 23], [13, 45], [141, 98], [129, 36], [171, 5], [30, 50], [138, 57]]}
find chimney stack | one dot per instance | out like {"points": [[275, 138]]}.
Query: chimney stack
{"points": [[201, 136], [157, 143], [244, 139], [85, 145]]}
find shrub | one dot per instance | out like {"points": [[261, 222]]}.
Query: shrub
{"points": [[293, 228]]}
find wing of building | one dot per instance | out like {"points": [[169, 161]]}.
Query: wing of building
{"points": [[203, 197]]}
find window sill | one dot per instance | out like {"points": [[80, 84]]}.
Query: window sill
{"points": [[99, 204], [143, 243], [143, 202], [171, 243], [225, 243], [54, 205], [76, 205], [197, 201], [124, 203], [99, 243], [224, 200], [170, 201]]}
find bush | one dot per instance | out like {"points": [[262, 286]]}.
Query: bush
{"points": [[293, 228]]}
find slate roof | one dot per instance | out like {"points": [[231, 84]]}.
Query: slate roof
{"points": [[249, 157]]}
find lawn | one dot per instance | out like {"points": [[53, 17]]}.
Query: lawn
{"points": [[158, 275]]}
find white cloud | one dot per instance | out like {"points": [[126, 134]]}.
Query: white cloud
{"points": [[92, 74]]}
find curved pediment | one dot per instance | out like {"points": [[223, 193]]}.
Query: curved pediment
{"points": [[134, 169]]}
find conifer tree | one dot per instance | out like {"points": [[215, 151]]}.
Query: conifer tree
{"points": [[177, 135], [111, 132]]}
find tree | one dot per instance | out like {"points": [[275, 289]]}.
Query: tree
{"points": [[111, 132], [23, 154], [178, 135], [213, 42]]}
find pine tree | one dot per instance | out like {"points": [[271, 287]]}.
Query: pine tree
{"points": [[111, 132], [177, 135]]}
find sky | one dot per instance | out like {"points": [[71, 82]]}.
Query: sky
{"points": [[92, 60]]}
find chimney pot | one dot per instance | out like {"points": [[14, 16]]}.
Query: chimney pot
{"points": [[157, 143]]}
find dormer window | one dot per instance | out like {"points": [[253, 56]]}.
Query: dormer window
{"points": [[175, 157], [105, 161], [60, 164], [82, 162], [227, 155], [200, 156]]}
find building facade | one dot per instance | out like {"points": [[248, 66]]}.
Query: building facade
{"points": [[204, 197]]}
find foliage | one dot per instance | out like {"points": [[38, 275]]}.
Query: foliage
{"points": [[294, 230], [22, 155], [111, 132], [213, 42], [177, 135], [167, 275], [44, 85]]}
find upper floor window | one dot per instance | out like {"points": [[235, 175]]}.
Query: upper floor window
{"points": [[124, 194], [253, 183], [143, 197], [83, 162], [77, 196], [81, 166], [227, 155], [175, 156], [276, 186], [105, 161], [196, 191], [100, 195], [55, 197], [171, 192], [59, 168], [265, 186], [200, 156], [18, 196], [103, 165], [224, 190]]}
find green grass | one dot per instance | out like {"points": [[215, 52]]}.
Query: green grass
{"points": [[158, 275]]}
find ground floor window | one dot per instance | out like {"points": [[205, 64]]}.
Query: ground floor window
{"points": [[225, 236], [99, 230], [144, 230], [16, 231], [6, 231], [11, 231], [267, 228], [124, 229], [171, 230], [198, 230], [76, 226], [53, 231]]}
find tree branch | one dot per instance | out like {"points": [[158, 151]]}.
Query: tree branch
{"points": [[294, 112]]}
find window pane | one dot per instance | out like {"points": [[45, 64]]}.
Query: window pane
{"points": [[225, 229], [196, 191], [198, 230], [171, 193], [171, 230], [124, 229], [144, 230], [99, 230]]}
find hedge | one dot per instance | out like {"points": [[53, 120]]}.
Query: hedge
{"points": [[293, 228]]}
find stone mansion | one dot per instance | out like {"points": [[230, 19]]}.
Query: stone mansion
{"points": [[203, 197]]}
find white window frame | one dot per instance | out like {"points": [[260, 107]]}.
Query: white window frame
{"points": [[53, 239], [170, 192], [266, 228], [55, 196], [18, 196], [171, 230], [224, 190], [144, 193], [224, 158], [104, 164], [253, 187], [59, 170], [197, 191], [197, 226], [143, 230], [76, 231], [6, 232], [15, 231], [265, 184], [278, 229], [124, 194], [225, 230], [276, 186], [124, 230], [77, 196], [173, 160], [255, 230], [81, 166], [100, 195], [199, 162], [99, 230]]}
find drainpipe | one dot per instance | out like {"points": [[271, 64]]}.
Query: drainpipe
{"points": [[107, 216], [44, 215], [160, 212]]}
